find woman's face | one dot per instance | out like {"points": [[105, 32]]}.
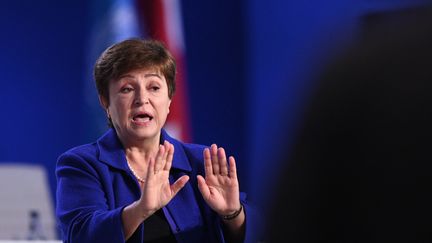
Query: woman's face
{"points": [[138, 105]]}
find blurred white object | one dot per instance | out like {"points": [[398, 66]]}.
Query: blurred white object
{"points": [[24, 192]]}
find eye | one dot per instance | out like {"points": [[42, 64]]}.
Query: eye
{"points": [[126, 90], [154, 88]]}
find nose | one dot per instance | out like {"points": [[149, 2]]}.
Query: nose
{"points": [[140, 101], [141, 98]]}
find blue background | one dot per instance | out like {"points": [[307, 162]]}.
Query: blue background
{"points": [[249, 63]]}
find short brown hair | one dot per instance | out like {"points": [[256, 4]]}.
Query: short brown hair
{"points": [[132, 54]]}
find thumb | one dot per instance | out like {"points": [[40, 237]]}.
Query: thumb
{"points": [[179, 184], [202, 186]]}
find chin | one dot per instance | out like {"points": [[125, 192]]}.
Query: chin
{"points": [[146, 134]]}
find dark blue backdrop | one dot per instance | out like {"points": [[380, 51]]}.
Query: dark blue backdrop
{"points": [[248, 62]]}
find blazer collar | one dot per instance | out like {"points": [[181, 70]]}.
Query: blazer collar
{"points": [[111, 151]]}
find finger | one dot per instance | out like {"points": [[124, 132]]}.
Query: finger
{"points": [[170, 155], [160, 156], [179, 184], [232, 168], [202, 186], [207, 162], [165, 155], [223, 167], [214, 159], [150, 169]]}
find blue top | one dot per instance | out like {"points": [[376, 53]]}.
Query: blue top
{"points": [[94, 184]]}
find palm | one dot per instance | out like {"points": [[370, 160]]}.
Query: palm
{"points": [[157, 191], [223, 192]]}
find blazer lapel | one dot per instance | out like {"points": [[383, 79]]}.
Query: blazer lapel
{"points": [[111, 151]]}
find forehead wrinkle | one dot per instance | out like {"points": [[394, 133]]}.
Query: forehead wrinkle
{"points": [[126, 76], [152, 75]]}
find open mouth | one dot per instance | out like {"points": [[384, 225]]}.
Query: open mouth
{"points": [[142, 117]]}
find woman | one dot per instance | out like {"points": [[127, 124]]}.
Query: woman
{"points": [[136, 183]]}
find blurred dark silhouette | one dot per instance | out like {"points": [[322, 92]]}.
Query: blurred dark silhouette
{"points": [[361, 168]]}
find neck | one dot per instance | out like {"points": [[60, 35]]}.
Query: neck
{"points": [[141, 151], [140, 154]]}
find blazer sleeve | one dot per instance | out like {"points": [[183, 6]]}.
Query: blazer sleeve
{"points": [[82, 208], [253, 229], [253, 225]]}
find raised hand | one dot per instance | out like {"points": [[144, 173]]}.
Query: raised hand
{"points": [[157, 191], [220, 188]]}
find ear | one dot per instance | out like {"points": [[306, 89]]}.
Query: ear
{"points": [[169, 104], [103, 102]]}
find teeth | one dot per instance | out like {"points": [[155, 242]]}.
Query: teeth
{"points": [[142, 119]]}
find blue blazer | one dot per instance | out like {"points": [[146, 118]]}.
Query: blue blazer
{"points": [[94, 184]]}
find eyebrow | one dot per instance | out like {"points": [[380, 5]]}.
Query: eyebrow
{"points": [[146, 76]]}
